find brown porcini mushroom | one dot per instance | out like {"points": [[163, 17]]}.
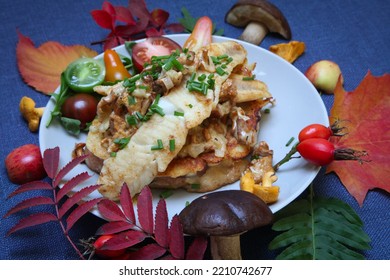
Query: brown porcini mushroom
{"points": [[258, 17], [224, 216]]}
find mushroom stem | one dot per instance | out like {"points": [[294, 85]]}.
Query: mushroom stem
{"points": [[225, 247], [254, 33]]}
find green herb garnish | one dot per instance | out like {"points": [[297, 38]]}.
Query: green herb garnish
{"points": [[159, 145], [122, 142]]}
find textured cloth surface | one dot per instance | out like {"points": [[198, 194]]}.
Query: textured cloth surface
{"points": [[355, 34]]}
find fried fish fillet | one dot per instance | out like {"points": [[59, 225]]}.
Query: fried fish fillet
{"points": [[137, 163]]}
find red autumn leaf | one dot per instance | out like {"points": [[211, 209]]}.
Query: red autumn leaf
{"points": [[161, 228], [67, 168], [103, 19], [51, 161], [30, 202], [76, 198], [175, 28], [114, 227], [71, 184], [110, 210], [197, 248], [41, 67], [147, 252], [145, 210], [124, 240], [80, 211], [159, 17], [153, 32], [33, 220], [30, 186], [176, 242], [127, 203], [364, 113], [109, 8], [123, 14]]}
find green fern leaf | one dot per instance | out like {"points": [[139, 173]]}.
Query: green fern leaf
{"points": [[319, 229]]}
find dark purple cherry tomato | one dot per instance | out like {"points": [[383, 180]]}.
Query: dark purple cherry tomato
{"points": [[80, 106]]}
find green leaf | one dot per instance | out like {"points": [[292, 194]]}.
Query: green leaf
{"points": [[189, 22], [59, 99], [319, 229], [72, 126]]}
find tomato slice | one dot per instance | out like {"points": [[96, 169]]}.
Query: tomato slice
{"points": [[152, 46], [84, 74]]}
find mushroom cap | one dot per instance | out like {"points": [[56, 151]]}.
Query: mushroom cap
{"points": [[225, 213], [246, 11]]}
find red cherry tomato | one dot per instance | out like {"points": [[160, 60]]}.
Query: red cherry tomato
{"points": [[152, 46], [115, 70], [107, 253], [317, 151], [81, 106], [315, 131]]}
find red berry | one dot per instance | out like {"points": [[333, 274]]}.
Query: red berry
{"points": [[111, 254], [24, 164], [317, 151], [315, 131]]}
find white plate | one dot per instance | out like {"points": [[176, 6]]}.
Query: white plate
{"points": [[297, 105]]}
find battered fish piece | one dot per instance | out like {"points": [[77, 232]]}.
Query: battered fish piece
{"points": [[147, 152]]}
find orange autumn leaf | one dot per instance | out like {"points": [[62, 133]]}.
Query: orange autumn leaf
{"points": [[365, 114], [41, 67]]}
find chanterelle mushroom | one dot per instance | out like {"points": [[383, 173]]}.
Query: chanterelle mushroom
{"points": [[31, 114], [224, 216], [258, 17]]}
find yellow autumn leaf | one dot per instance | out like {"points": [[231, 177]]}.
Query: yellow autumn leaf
{"points": [[41, 67]]}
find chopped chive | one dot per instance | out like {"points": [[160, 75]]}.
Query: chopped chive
{"points": [[251, 78], [171, 145], [215, 59], [157, 99], [178, 65], [220, 71], [132, 120], [134, 78], [223, 66], [159, 145], [131, 88], [113, 154], [178, 114], [290, 141], [122, 142], [157, 109], [190, 105], [187, 203], [267, 111], [205, 87], [193, 75], [165, 194], [195, 186], [139, 116], [202, 77], [131, 100], [222, 56], [143, 87]]}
